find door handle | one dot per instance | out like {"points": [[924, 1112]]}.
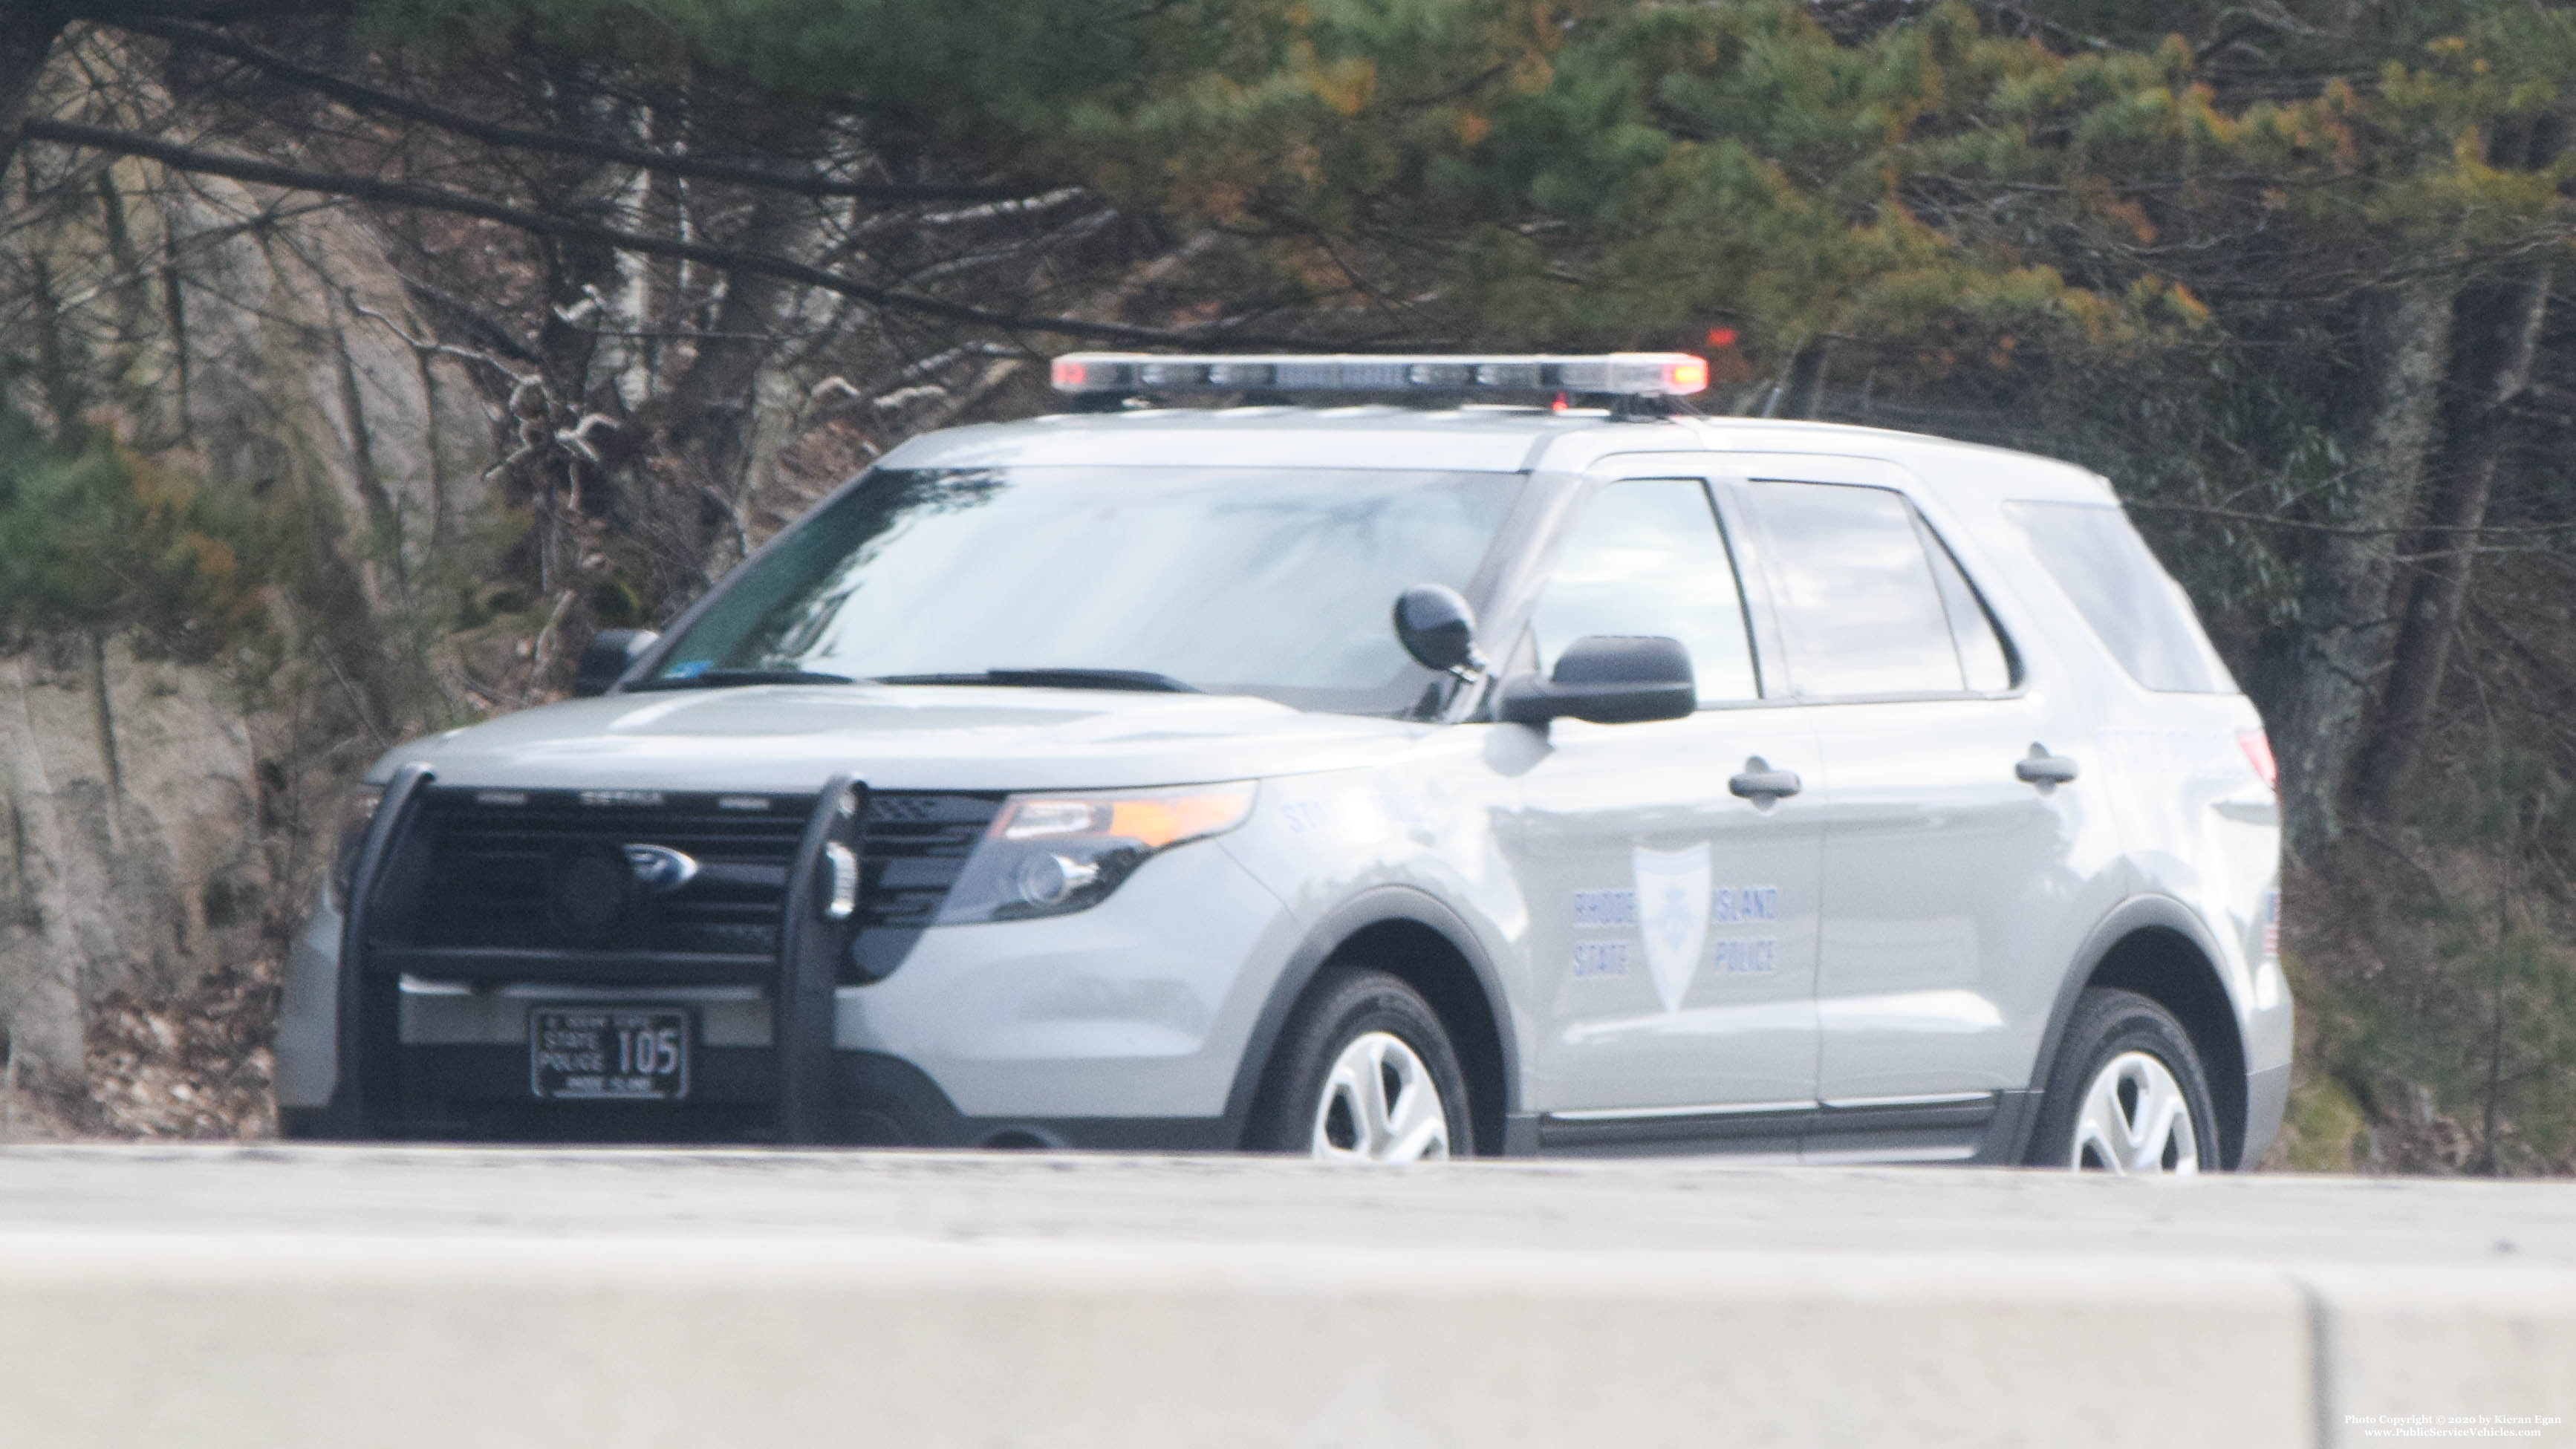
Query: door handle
{"points": [[2042, 768], [1758, 781]]}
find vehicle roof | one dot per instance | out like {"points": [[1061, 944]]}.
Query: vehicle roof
{"points": [[1478, 439]]}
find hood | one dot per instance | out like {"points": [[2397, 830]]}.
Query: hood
{"points": [[781, 739]]}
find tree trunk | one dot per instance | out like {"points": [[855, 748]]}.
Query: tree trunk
{"points": [[2329, 678], [2495, 366], [26, 41], [712, 410]]}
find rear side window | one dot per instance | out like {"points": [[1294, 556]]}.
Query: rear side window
{"points": [[1872, 603], [2134, 607], [1646, 557]]}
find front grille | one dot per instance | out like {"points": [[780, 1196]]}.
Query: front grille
{"points": [[917, 843], [481, 868], [487, 861]]}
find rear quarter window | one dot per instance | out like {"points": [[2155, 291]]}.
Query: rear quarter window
{"points": [[2132, 605]]}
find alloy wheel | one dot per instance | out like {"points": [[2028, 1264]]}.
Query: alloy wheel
{"points": [[1380, 1104], [2136, 1120]]}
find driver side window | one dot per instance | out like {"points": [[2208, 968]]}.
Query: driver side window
{"points": [[1647, 557]]}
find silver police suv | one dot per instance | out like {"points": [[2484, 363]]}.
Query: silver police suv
{"points": [[1407, 757]]}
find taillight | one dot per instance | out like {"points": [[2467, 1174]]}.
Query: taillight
{"points": [[2258, 753]]}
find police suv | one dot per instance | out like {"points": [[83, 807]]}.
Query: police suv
{"points": [[1406, 757]]}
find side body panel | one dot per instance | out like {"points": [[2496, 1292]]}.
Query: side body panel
{"points": [[1671, 946], [1955, 894], [1673, 926], [2199, 827]]}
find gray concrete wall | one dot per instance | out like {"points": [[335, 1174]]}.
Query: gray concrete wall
{"points": [[634, 1298]]}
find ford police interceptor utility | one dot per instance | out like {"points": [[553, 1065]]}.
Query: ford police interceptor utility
{"points": [[1373, 765]]}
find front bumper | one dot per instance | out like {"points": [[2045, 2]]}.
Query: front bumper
{"points": [[2267, 1100], [480, 1094], [1125, 1025]]}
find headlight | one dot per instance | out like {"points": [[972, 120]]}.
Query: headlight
{"points": [[355, 814], [1049, 855]]}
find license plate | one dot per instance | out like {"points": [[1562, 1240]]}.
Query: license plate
{"points": [[608, 1054]]}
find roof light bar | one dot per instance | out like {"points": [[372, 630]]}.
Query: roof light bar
{"points": [[1634, 374]]}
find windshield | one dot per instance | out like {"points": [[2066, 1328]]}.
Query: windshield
{"points": [[1276, 582]]}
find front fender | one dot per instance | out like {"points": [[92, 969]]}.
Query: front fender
{"points": [[1327, 936]]}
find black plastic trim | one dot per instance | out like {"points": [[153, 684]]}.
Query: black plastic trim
{"points": [[2007, 1138], [1915, 1117], [887, 1101], [366, 1033], [1557, 1134], [1328, 936], [1796, 1127], [803, 1004], [2137, 913], [607, 968]]}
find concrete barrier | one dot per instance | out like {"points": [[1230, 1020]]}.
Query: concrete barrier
{"points": [[176, 1297], [256, 1340], [2454, 1353]]}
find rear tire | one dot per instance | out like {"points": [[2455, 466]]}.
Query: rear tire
{"points": [[1364, 1073], [2127, 1094]]}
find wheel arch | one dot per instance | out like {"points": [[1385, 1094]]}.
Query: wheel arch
{"points": [[1428, 946], [2157, 947]]}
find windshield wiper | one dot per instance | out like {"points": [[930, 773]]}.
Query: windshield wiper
{"points": [[727, 678], [1137, 679]]}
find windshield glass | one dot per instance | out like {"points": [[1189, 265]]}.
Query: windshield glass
{"points": [[1276, 582]]}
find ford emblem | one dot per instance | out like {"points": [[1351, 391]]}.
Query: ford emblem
{"points": [[659, 868]]}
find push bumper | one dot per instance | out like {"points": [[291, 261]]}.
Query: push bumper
{"points": [[1122, 1026]]}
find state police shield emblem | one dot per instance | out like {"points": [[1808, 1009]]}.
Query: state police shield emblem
{"points": [[1672, 912]]}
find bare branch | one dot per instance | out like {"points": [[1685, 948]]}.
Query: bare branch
{"points": [[402, 194], [424, 346]]}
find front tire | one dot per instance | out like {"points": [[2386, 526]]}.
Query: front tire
{"points": [[1364, 1073], [2127, 1094]]}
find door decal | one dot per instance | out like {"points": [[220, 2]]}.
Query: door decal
{"points": [[1672, 911]]}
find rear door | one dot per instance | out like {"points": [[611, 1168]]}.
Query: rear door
{"points": [[1673, 920], [1950, 882]]}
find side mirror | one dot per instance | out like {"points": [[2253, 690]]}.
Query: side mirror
{"points": [[611, 653], [1608, 679], [1438, 628]]}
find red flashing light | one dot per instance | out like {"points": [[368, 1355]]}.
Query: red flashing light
{"points": [[1721, 337], [1068, 372], [1686, 374]]}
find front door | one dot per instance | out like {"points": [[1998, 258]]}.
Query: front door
{"points": [[1669, 867]]}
